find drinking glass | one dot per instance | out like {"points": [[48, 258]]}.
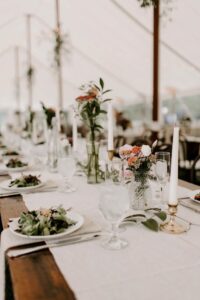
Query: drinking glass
{"points": [[116, 172], [67, 168], [114, 202], [162, 171]]}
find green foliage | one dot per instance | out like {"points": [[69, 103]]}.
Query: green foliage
{"points": [[30, 73], [44, 222], [90, 106], [146, 3], [49, 113], [151, 223]]}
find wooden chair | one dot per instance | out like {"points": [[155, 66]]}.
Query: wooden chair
{"points": [[195, 171], [119, 141], [163, 148], [140, 142]]}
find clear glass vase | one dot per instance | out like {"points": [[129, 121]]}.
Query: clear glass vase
{"points": [[53, 147], [93, 170], [140, 191]]}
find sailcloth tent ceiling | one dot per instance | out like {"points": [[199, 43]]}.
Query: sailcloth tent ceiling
{"points": [[111, 39]]}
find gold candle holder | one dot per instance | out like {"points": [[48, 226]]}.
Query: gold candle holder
{"points": [[110, 154], [172, 226]]}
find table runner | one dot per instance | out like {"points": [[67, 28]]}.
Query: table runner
{"points": [[154, 266]]}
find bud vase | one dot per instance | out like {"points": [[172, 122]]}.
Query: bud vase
{"points": [[93, 170], [139, 191]]}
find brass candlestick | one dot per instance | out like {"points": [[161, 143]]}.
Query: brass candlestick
{"points": [[110, 154], [172, 226]]}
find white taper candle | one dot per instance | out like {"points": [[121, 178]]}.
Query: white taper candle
{"points": [[110, 126], [74, 132], [174, 169]]}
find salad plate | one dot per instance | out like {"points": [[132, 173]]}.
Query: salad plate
{"points": [[196, 196], [18, 184], [76, 218], [17, 169], [16, 165]]}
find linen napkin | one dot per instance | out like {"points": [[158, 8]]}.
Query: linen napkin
{"points": [[189, 203], [8, 239], [3, 170]]}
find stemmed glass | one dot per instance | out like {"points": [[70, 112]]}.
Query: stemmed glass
{"points": [[67, 168], [114, 202], [162, 171]]}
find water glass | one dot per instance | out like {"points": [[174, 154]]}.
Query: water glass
{"points": [[162, 170], [67, 168], [114, 202]]}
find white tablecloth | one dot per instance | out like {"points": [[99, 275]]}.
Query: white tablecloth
{"points": [[154, 265]]}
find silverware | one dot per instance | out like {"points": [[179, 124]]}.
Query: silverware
{"points": [[189, 222], [19, 251], [183, 198]]}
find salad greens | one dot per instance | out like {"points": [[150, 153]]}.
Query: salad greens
{"points": [[25, 181], [16, 163], [10, 152], [44, 222]]}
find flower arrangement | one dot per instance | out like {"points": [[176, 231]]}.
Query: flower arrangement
{"points": [[90, 110], [49, 113], [139, 160], [90, 106]]}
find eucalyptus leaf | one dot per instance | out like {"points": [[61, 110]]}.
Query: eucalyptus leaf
{"points": [[101, 83], [151, 224], [161, 215]]}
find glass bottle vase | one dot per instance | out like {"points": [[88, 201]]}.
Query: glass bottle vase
{"points": [[93, 170], [139, 191]]}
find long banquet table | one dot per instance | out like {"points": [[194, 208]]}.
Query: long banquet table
{"points": [[153, 266]]}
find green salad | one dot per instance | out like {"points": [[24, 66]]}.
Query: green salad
{"points": [[16, 163], [10, 152], [44, 222], [25, 181]]}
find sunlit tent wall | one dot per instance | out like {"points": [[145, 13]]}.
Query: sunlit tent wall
{"points": [[107, 38]]}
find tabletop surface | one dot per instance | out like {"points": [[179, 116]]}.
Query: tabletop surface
{"points": [[40, 277]]}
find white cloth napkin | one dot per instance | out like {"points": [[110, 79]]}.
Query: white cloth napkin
{"points": [[3, 170], [8, 239]]}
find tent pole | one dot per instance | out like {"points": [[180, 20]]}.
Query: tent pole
{"points": [[29, 62], [17, 78], [59, 61], [156, 23]]}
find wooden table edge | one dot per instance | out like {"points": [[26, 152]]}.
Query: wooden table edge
{"points": [[46, 280]]}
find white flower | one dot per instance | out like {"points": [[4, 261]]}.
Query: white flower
{"points": [[146, 150], [125, 151]]}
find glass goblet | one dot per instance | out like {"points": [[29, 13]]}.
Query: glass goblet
{"points": [[162, 171], [114, 202], [67, 168]]}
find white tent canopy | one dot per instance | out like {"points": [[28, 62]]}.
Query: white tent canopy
{"points": [[111, 39]]}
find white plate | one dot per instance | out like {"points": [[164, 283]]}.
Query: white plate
{"points": [[72, 215], [19, 169], [8, 157], [197, 201], [5, 186]]}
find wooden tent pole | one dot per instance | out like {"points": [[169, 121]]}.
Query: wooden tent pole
{"points": [[17, 78], [156, 23], [59, 60]]}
